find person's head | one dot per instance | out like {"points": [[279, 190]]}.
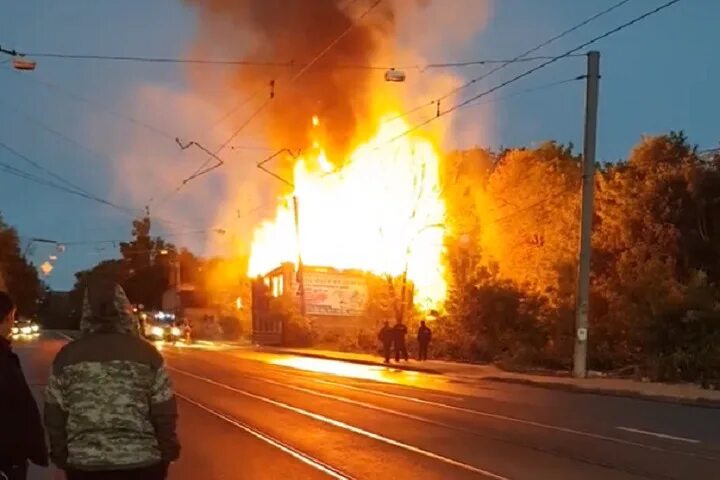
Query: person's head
{"points": [[7, 315], [107, 308], [422, 323], [387, 323]]}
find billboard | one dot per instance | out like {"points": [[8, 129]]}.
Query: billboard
{"points": [[333, 293]]}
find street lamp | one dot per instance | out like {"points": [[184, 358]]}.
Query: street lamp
{"points": [[19, 61], [393, 75], [24, 65]]}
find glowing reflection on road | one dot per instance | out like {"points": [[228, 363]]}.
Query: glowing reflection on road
{"points": [[345, 369]]}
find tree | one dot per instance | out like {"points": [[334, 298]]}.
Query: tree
{"points": [[18, 276], [150, 263], [513, 227], [532, 227]]}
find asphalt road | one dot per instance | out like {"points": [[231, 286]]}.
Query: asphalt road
{"points": [[253, 415]]}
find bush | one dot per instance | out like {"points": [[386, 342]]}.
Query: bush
{"points": [[494, 320], [684, 346]]}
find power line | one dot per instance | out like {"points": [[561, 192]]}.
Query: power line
{"points": [[142, 59], [60, 178], [522, 57], [538, 88], [69, 187], [167, 235], [99, 107], [281, 65], [42, 181], [535, 69], [202, 169], [538, 47], [514, 94], [44, 126]]}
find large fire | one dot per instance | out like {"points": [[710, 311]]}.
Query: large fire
{"points": [[382, 211]]}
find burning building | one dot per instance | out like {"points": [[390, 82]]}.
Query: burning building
{"points": [[361, 191], [332, 300]]}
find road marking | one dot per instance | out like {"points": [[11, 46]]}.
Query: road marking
{"points": [[510, 419], [303, 457], [359, 403], [348, 427], [659, 435], [65, 336]]}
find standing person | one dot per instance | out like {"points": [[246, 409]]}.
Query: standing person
{"points": [[424, 336], [21, 434], [400, 331], [386, 338], [110, 410]]}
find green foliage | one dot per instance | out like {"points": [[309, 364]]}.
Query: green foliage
{"points": [[489, 318], [144, 271], [18, 276], [655, 299]]}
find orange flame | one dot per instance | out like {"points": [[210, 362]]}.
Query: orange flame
{"points": [[380, 212]]}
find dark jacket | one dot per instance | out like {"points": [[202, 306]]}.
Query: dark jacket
{"points": [[21, 433], [424, 334], [109, 404], [400, 330], [386, 335]]}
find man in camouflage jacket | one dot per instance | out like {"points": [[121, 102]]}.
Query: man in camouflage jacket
{"points": [[109, 409]]}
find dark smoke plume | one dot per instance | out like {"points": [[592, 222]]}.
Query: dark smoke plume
{"points": [[297, 31]]}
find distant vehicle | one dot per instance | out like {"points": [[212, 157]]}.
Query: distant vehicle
{"points": [[164, 326], [25, 327], [393, 75]]}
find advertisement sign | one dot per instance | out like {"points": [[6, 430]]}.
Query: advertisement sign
{"points": [[328, 293]]}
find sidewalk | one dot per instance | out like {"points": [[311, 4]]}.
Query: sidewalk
{"points": [[686, 394]]}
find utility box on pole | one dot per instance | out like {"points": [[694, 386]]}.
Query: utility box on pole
{"points": [[588, 185]]}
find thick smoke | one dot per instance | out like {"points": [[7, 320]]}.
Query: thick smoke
{"points": [[298, 31]]}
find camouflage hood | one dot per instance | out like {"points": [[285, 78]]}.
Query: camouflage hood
{"points": [[106, 308]]}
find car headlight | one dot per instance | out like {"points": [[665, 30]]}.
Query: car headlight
{"points": [[15, 330], [157, 331], [35, 328], [26, 330], [175, 331]]}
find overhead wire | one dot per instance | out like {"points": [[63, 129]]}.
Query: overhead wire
{"points": [[521, 57], [167, 235], [65, 185], [542, 87], [44, 126], [524, 74], [284, 64], [203, 167], [99, 106], [60, 178], [12, 170]]}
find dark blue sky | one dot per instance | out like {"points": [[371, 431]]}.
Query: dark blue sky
{"points": [[659, 75]]}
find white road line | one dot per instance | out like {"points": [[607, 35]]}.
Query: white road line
{"points": [[659, 435], [504, 418], [65, 336], [348, 427], [359, 403], [306, 459]]}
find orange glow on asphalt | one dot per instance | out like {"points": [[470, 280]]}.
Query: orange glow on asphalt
{"points": [[343, 369]]}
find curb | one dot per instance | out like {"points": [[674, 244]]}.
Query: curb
{"points": [[568, 387], [394, 366], [550, 385]]}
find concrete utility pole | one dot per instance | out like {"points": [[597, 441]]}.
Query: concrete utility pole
{"points": [[301, 268], [588, 184]]}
